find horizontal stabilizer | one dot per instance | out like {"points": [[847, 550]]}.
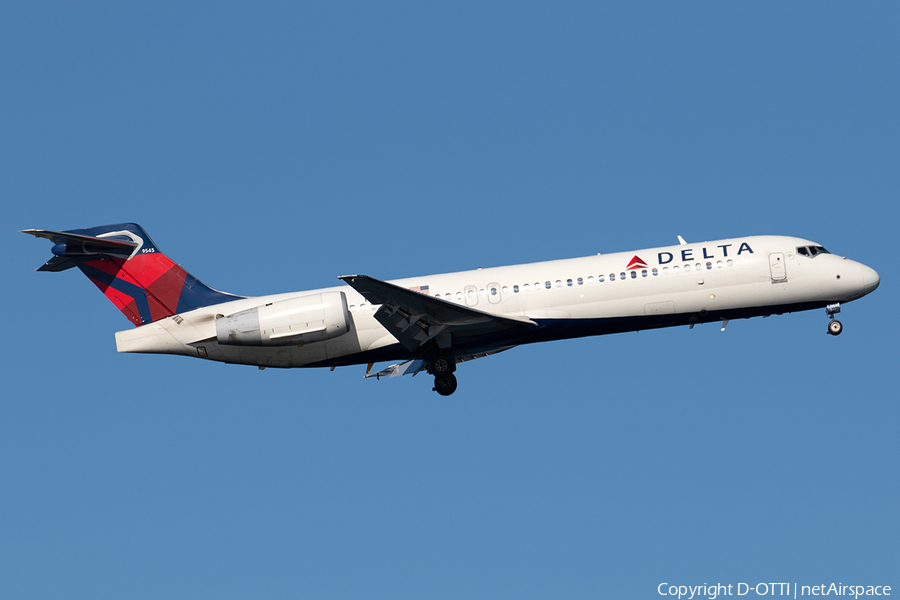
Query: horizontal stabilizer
{"points": [[71, 248], [57, 263]]}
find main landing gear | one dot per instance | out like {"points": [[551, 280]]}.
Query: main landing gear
{"points": [[445, 384], [442, 367], [834, 326]]}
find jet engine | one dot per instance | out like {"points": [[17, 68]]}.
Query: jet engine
{"points": [[290, 322]]}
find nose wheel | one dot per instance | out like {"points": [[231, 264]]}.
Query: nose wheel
{"points": [[834, 326]]}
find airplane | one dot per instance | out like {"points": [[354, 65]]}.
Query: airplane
{"points": [[434, 322]]}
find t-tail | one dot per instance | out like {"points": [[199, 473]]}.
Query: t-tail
{"points": [[130, 270]]}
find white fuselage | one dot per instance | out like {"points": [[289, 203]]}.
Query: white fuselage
{"points": [[609, 293]]}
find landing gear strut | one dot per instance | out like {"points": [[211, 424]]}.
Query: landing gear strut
{"points": [[834, 326]]}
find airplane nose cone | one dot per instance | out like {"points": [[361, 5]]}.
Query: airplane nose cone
{"points": [[871, 280]]}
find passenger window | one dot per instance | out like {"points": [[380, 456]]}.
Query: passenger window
{"points": [[493, 291], [709, 266], [558, 283], [655, 271], [515, 289], [644, 273], [719, 264], [612, 276], [591, 279], [600, 279], [526, 287], [580, 281], [622, 276], [730, 263], [634, 274], [569, 282], [687, 268], [548, 285]]}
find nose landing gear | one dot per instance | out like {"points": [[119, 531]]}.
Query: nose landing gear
{"points": [[834, 326]]}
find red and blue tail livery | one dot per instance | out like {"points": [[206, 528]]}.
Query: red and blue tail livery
{"points": [[435, 322], [130, 270]]}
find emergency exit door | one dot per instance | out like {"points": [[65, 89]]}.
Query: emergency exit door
{"points": [[471, 293], [777, 267]]}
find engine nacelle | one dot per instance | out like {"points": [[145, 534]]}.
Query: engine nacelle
{"points": [[291, 322]]}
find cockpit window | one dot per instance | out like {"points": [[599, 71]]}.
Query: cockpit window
{"points": [[812, 251]]}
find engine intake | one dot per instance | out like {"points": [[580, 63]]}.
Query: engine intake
{"points": [[302, 320]]}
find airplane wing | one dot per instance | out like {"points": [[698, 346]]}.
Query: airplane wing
{"points": [[415, 318], [417, 365]]}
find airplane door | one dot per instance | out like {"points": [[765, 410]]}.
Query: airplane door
{"points": [[777, 267], [493, 293], [471, 293]]}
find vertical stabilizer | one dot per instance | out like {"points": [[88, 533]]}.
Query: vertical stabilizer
{"points": [[122, 260]]}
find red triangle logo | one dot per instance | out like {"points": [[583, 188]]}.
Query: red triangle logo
{"points": [[636, 263]]}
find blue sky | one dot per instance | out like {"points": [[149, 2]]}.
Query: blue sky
{"points": [[272, 147]]}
